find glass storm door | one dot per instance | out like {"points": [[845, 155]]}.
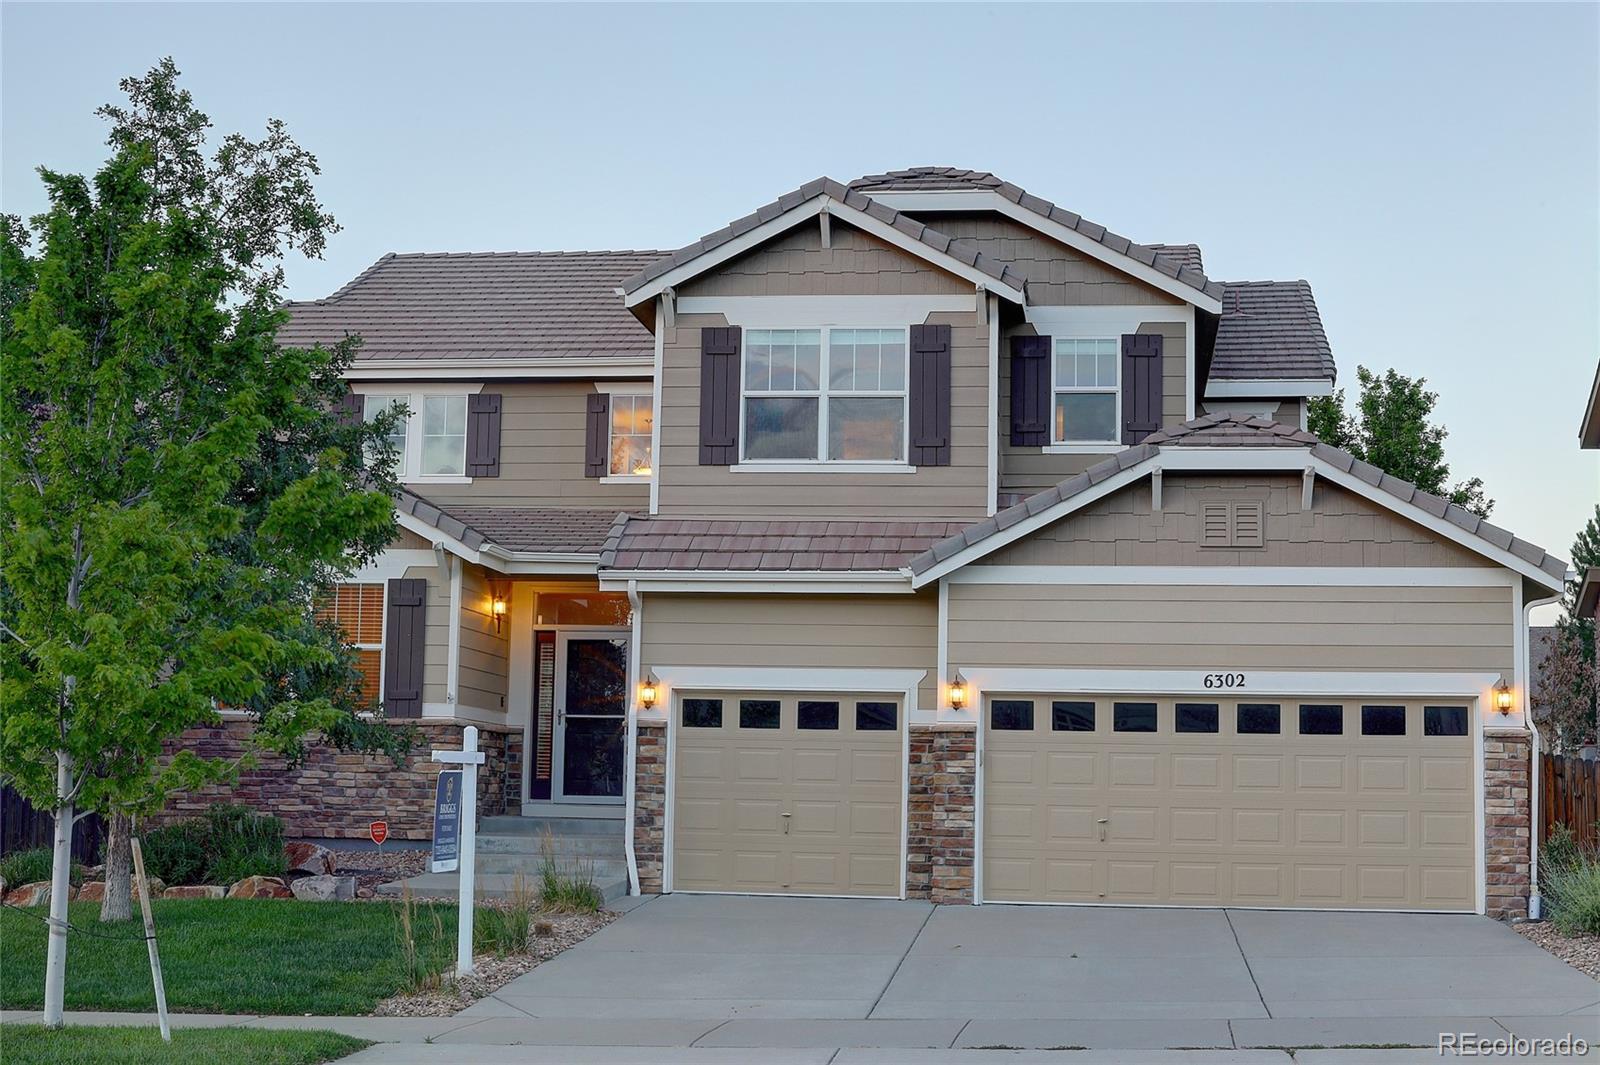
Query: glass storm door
{"points": [[591, 716]]}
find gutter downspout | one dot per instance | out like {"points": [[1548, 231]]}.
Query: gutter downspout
{"points": [[1535, 900], [636, 609]]}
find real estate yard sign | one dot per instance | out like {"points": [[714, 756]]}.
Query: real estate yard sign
{"points": [[446, 857]]}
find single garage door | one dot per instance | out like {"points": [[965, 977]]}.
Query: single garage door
{"points": [[795, 794], [1261, 801]]}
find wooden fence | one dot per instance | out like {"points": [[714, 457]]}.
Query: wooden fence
{"points": [[1569, 794], [22, 827]]}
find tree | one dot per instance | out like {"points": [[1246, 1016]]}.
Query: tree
{"points": [[1391, 430], [1568, 699], [174, 487]]}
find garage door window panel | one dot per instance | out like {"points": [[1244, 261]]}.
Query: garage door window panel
{"points": [[1070, 716], [1444, 721], [817, 716], [1133, 717], [1195, 717], [1011, 715], [876, 717], [759, 713], [1321, 719], [1259, 719], [702, 713], [1383, 721]]}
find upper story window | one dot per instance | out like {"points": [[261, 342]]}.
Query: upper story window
{"points": [[431, 440], [824, 395], [1087, 392], [632, 417]]}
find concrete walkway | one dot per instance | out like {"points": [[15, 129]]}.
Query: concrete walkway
{"points": [[684, 980]]}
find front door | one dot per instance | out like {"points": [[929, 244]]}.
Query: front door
{"points": [[591, 703]]}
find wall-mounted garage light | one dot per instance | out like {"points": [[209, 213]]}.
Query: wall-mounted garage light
{"points": [[1502, 697], [648, 691], [498, 607], [958, 692]]}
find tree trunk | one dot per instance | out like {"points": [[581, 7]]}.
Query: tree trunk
{"points": [[55, 971], [117, 905]]}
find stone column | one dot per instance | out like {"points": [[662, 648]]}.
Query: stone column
{"points": [[1508, 822], [650, 805], [940, 833]]}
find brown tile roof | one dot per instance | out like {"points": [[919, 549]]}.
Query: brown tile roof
{"points": [[951, 178], [825, 186], [1270, 330], [1237, 430], [552, 530], [481, 305], [692, 544], [1187, 254]]}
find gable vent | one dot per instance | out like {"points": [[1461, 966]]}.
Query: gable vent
{"points": [[1239, 524]]}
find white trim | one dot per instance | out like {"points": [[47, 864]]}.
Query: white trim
{"points": [[625, 478], [452, 388], [630, 782], [828, 466], [1249, 408], [520, 679], [987, 200], [642, 386], [798, 214], [456, 712], [942, 680], [1260, 389], [391, 564], [412, 523], [452, 682], [1258, 682], [848, 312], [992, 445], [1229, 906], [557, 367], [1105, 448], [1092, 318], [1189, 390], [1480, 817], [1240, 576], [415, 397], [655, 418]]}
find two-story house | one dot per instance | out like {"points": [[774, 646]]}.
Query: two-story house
{"points": [[919, 537]]}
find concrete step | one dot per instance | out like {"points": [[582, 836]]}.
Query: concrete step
{"points": [[561, 847], [558, 826], [530, 867], [489, 886]]}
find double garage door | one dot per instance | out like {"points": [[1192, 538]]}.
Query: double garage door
{"points": [[795, 794], [1312, 802]]}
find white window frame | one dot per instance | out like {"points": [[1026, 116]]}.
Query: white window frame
{"points": [[412, 396], [1093, 447], [636, 390], [822, 393]]}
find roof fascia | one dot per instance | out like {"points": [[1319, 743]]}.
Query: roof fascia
{"points": [[1267, 388], [794, 216], [431, 533], [989, 200], [1589, 432], [501, 560], [520, 367], [875, 582], [1243, 460]]}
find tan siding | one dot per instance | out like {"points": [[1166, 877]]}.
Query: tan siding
{"points": [[1031, 469], [406, 540], [484, 653], [824, 631], [933, 492], [1057, 275], [541, 454], [1273, 628], [796, 264], [1341, 529], [1286, 411]]}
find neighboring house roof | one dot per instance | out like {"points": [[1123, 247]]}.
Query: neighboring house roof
{"points": [[1589, 431], [1232, 430], [952, 179], [918, 234], [694, 544], [514, 530], [1270, 330], [477, 305], [1589, 593]]}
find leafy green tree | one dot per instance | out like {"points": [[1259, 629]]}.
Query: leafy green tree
{"points": [[1568, 700], [1390, 429], [175, 488]]}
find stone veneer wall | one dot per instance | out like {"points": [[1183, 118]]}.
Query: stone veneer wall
{"points": [[650, 805], [943, 777], [1508, 822], [336, 795]]}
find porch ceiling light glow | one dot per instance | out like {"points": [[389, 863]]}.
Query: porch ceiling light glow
{"points": [[958, 692], [647, 691], [1503, 699]]}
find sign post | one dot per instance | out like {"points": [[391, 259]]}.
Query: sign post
{"points": [[465, 815]]}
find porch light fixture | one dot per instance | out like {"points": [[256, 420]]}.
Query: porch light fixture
{"points": [[647, 691], [497, 607], [1502, 697], [958, 692]]}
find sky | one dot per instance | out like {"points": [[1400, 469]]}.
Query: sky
{"points": [[1432, 170]]}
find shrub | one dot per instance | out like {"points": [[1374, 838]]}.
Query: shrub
{"points": [[568, 890], [31, 866], [1569, 881], [225, 844], [1561, 849]]}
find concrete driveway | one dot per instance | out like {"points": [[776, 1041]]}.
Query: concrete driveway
{"points": [[731, 971]]}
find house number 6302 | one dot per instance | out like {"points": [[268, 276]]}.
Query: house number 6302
{"points": [[1224, 680]]}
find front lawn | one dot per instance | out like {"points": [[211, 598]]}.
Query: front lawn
{"points": [[230, 956], [32, 1044]]}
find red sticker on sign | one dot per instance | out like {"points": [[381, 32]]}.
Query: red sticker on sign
{"points": [[379, 831]]}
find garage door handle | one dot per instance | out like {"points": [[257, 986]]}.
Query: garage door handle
{"points": [[1102, 823], [785, 823]]}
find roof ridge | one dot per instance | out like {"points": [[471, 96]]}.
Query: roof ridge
{"points": [[531, 253]]}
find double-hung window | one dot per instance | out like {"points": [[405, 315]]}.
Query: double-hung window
{"points": [[824, 395], [431, 440], [631, 420], [357, 611], [1087, 392]]}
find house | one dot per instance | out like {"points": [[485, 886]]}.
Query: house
{"points": [[1589, 438], [917, 537]]}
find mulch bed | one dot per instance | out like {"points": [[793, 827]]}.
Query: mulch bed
{"points": [[1582, 952], [492, 972]]}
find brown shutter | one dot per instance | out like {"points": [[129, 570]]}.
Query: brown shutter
{"points": [[1141, 385], [597, 436], [719, 396], [930, 395], [483, 435], [1030, 391], [403, 654], [351, 408]]}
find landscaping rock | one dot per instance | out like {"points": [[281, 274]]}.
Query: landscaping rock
{"points": [[324, 888], [260, 887], [93, 891], [195, 891], [310, 858], [35, 894]]}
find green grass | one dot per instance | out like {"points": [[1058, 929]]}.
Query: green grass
{"points": [[32, 1044], [275, 956]]}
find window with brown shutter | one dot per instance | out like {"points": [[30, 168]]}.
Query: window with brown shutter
{"points": [[719, 396], [1141, 385], [483, 435], [930, 395], [357, 609]]}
